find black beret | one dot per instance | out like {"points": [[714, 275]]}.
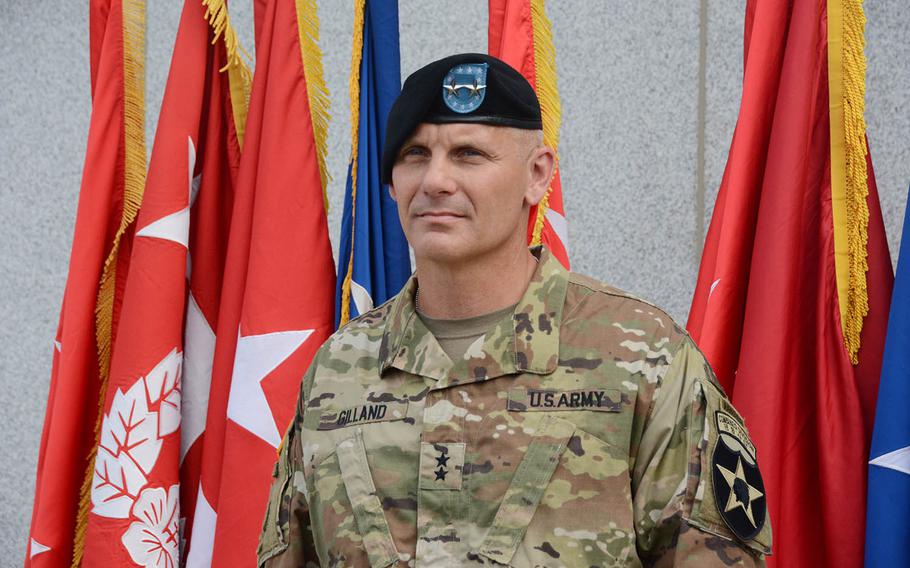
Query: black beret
{"points": [[468, 87]]}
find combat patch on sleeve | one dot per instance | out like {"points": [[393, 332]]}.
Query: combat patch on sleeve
{"points": [[738, 488]]}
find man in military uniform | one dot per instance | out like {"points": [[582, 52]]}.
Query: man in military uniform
{"points": [[501, 410]]}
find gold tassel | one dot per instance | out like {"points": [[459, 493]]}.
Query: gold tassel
{"points": [[317, 91], [354, 88], [134, 171], [856, 182], [547, 93], [239, 75]]}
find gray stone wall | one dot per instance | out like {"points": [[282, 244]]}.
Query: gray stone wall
{"points": [[629, 80]]}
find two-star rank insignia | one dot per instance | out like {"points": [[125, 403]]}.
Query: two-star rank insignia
{"points": [[441, 460], [464, 87], [738, 487], [441, 466]]}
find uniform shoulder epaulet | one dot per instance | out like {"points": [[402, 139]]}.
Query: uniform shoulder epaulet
{"points": [[634, 304]]}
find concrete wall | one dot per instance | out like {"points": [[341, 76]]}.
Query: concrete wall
{"points": [[629, 80]]}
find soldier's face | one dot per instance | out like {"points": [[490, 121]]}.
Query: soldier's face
{"points": [[465, 190]]}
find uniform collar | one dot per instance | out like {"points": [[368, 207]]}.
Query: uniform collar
{"points": [[527, 341]]}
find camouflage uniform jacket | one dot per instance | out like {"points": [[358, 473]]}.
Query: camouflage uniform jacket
{"points": [[577, 432]]}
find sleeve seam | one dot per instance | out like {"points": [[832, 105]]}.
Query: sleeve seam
{"points": [[662, 375]]}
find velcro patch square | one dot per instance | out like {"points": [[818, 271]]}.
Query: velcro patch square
{"points": [[441, 465]]}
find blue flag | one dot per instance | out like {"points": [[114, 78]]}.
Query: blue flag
{"points": [[373, 259], [888, 509]]}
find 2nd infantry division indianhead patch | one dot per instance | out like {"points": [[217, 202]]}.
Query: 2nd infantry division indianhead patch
{"points": [[738, 487]]}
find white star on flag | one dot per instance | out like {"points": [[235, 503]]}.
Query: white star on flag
{"points": [[195, 184], [898, 460], [176, 226], [204, 522], [36, 548], [713, 286], [199, 352], [361, 297], [255, 358]]}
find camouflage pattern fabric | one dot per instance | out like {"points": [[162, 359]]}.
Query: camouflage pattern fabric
{"points": [[577, 432]]}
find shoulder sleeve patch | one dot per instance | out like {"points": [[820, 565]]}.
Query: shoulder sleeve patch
{"points": [[730, 499], [738, 487]]}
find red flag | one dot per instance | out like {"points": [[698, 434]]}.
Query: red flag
{"points": [[217, 169], [112, 183], [98, 12], [767, 308], [520, 34], [134, 518], [278, 296]]}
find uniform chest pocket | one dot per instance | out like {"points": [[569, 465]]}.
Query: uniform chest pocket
{"points": [[347, 518], [568, 503]]}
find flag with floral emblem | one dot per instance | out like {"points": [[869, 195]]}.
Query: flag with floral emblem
{"points": [[112, 183], [155, 381]]}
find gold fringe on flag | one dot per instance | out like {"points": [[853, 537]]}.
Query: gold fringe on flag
{"points": [[317, 91], [547, 93], [849, 176], [134, 170], [857, 177], [354, 88], [239, 75]]}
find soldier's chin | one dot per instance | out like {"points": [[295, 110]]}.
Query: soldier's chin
{"points": [[442, 249]]}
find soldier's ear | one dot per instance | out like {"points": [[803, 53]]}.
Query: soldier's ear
{"points": [[392, 193], [542, 166]]}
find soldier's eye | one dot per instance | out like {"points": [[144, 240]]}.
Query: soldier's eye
{"points": [[469, 152], [414, 151]]}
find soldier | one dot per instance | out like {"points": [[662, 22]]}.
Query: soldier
{"points": [[501, 410]]}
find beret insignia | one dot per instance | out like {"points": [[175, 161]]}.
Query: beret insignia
{"points": [[476, 88], [464, 87], [738, 487]]}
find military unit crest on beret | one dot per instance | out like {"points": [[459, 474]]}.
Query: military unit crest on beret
{"points": [[468, 87], [464, 87]]}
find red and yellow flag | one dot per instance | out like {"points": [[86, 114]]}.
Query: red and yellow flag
{"points": [[795, 279], [134, 517], [279, 284], [112, 183], [520, 34]]}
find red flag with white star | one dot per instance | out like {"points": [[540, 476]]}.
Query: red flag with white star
{"points": [[112, 183], [135, 516], [210, 215], [278, 296], [795, 248]]}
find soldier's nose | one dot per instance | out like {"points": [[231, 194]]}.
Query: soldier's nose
{"points": [[437, 178]]}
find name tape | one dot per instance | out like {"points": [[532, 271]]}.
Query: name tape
{"points": [[530, 400], [363, 414]]}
